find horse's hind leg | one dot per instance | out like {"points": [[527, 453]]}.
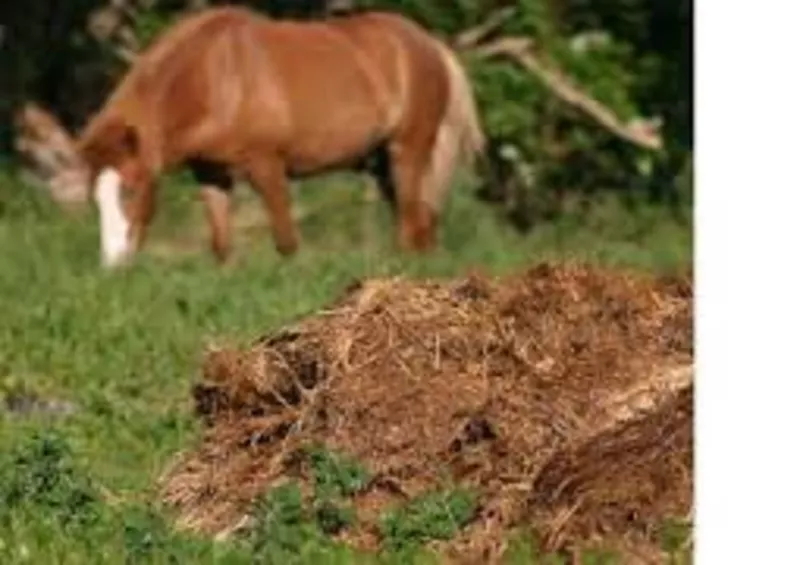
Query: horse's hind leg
{"points": [[380, 167], [416, 220], [268, 178], [216, 185]]}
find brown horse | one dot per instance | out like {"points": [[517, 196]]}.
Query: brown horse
{"points": [[229, 92]]}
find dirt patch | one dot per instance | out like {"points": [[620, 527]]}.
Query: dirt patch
{"points": [[563, 396]]}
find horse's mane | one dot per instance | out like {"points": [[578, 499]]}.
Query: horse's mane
{"points": [[151, 62]]}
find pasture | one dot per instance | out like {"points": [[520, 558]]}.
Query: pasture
{"points": [[115, 353]]}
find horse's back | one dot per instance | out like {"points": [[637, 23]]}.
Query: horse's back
{"points": [[348, 83], [383, 33], [312, 93], [408, 55]]}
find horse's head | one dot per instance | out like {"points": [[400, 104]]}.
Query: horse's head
{"points": [[118, 175]]}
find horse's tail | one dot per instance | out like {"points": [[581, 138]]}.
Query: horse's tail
{"points": [[460, 136]]}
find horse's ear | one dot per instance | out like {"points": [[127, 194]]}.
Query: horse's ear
{"points": [[122, 137], [110, 143]]}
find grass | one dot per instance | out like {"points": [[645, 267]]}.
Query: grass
{"points": [[119, 351]]}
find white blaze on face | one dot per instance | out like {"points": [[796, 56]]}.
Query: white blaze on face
{"points": [[114, 226]]}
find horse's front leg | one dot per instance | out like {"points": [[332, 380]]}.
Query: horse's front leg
{"points": [[216, 185], [141, 212], [218, 210], [268, 178]]}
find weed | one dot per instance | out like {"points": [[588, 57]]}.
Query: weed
{"points": [[599, 557], [39, 475], [432, 516], [526, 549], [145, 536], [675, 541], [283, 527], [285, 523], [336, 475]]}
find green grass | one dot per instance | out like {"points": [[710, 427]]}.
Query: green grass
{"points": [[122, 349]]}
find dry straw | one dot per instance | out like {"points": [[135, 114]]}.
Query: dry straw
{"points": [[563, 395]]}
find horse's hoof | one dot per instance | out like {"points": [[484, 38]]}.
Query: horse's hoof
{"points": [[288, 248]]}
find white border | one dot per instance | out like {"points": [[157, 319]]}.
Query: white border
{"points": [[748, 282]]}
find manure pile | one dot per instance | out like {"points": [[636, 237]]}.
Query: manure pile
{"points": [[562, 396]]}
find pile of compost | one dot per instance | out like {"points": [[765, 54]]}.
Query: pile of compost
{"points": [[562, 396]]}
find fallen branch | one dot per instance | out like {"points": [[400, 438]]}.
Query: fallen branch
{"points": [[110, 25], [640, 132], [471, 37], [50, 155]]}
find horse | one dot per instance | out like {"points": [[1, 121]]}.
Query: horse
{"points": [[230, 92]]}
